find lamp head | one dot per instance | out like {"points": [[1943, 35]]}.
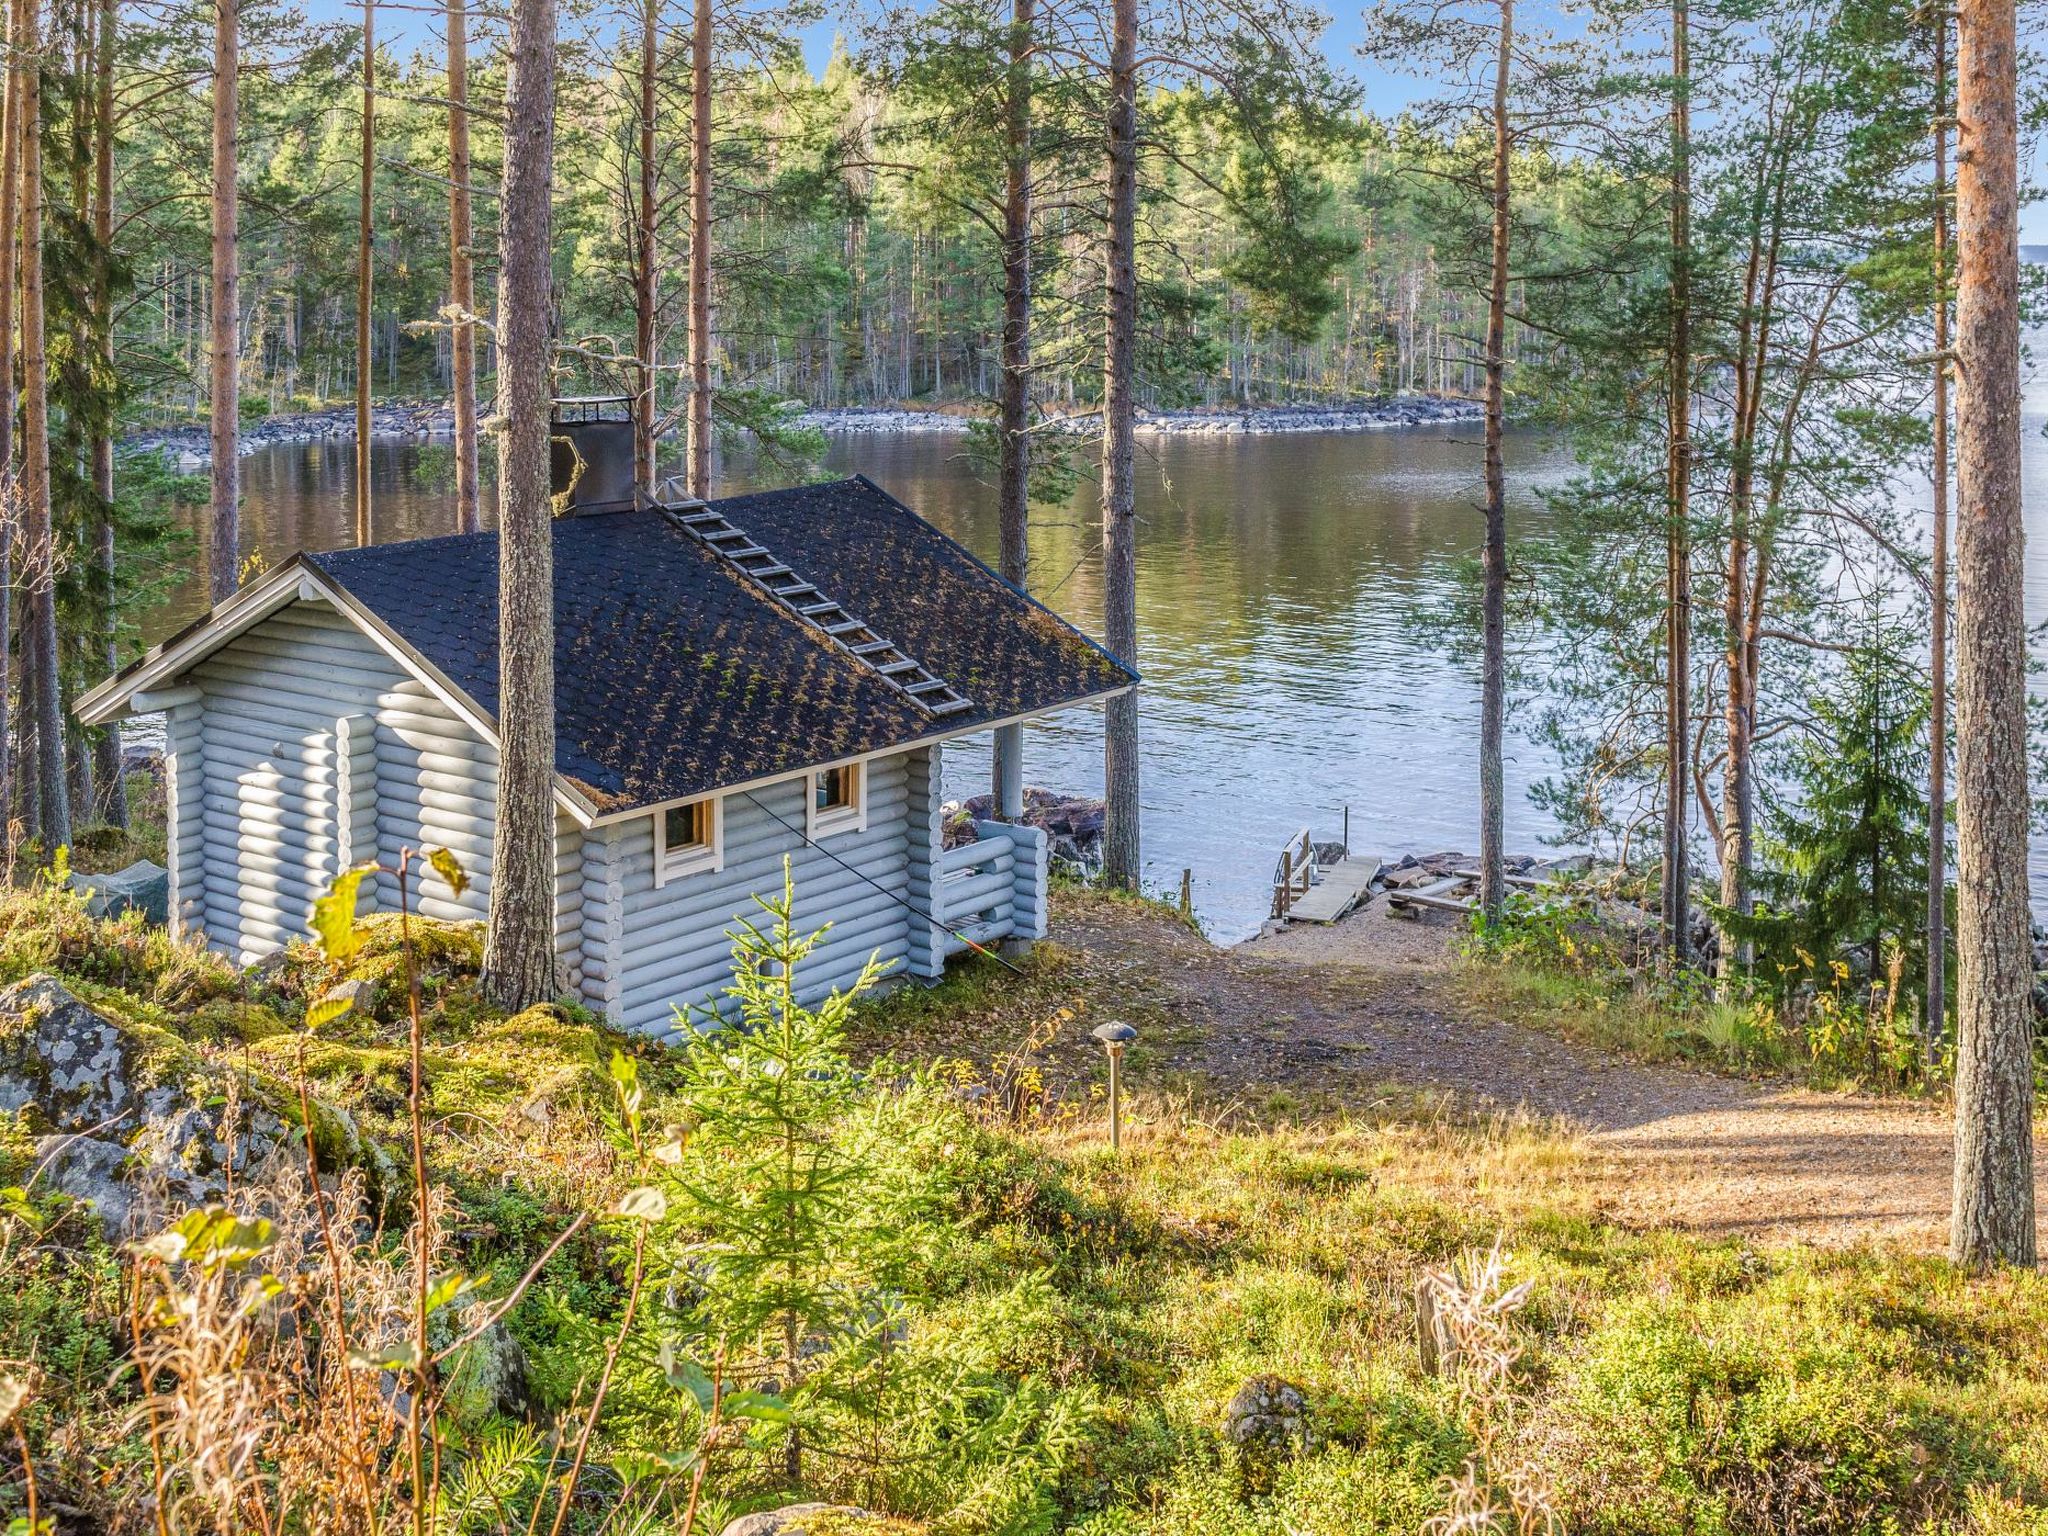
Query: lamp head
{"points": [[1115, 1035]]}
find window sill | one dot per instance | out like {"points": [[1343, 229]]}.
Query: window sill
{"points": [[833, 823], [697, 861]]}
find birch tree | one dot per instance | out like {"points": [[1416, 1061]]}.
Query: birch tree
{"points": [[519, 944]]}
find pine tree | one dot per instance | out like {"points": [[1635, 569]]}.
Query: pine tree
{"points": [[519, 944], [1992, 1220]]}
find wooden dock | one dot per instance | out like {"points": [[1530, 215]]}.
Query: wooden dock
{"points": [[1342, 886]]}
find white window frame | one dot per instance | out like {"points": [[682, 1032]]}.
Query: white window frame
{"points": [[696, 858], [845, 818]]}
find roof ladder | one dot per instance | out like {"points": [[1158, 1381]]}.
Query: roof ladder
{"points": [[853, 635]]}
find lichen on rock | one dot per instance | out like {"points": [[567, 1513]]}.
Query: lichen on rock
{"points": [[125, 1116]]}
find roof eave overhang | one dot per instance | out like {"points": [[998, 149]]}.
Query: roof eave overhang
{"points": [[606, 818], [298, 578]]}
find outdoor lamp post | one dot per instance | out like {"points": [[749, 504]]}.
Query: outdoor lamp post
{"points": [[1115, 1035]]}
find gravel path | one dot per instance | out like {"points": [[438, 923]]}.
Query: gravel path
{"points": [[1321, 1019]]}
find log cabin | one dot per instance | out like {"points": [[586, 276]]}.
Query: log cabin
{"points": [[767, 677]]}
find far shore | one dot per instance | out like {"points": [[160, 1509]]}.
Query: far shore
{"points": [[189, 448]]}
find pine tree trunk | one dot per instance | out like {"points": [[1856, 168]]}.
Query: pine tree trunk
{"points": [[646, 267], [225, 402], [461, 273], [1013, 406], [10, 484], [1678, 509], [38, 538], [107, 743], [1494, 561], [1120, 843], [1937, 711], [697, 445], [1992, 1220], [519, 957], [364, 214]]}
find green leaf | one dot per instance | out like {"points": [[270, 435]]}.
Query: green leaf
{"points": [[645, 1203], [392, 1357], [625, 1076], [334, 915], [325, 1010], [449, 868], [451, 1288], [686, 1375], [213, 1238], [758, 1406]]}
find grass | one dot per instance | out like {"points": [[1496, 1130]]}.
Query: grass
{"points": [[1094, 1315]]}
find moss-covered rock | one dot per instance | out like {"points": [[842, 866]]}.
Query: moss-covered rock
{"points": [[123, 1112]]}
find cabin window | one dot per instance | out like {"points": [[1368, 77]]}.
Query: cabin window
{"points": [[838, 799], [691, 838]]}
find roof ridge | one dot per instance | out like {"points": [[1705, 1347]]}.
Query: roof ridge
{"points": [[771, 575]]}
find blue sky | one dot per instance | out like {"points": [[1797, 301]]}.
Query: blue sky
{"points": [[1385, 92]]}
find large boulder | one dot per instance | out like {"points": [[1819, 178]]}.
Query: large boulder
{"points": [[811, 1520], [126, 1116]]}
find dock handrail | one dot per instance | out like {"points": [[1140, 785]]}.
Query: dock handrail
{"points": [[1294, 871]]}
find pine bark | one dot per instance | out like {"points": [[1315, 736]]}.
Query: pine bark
{"points": [[697, 442], [364, 275], [461, 273], [646, 268], [224, 404], [1992, 1218], [1494, 559], [1677, 892], [1120, 841], [1013, 403], [1936, 1011], [10, 484], [107, 743], [53, 797], [519, 959]]}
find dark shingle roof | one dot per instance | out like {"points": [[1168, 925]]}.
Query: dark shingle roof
{"points": [[674, 676]]}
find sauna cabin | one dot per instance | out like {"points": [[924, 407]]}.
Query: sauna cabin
{"points": [[739, 682]]}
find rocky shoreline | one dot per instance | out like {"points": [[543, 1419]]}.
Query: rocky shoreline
{"points": [[189, 450], [1258, 421]]}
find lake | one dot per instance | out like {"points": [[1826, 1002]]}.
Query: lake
{"points": [[1279, 580], [1287, 683]]}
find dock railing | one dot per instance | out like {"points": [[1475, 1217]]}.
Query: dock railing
{"points": [[994, 887], [1293, 872]]}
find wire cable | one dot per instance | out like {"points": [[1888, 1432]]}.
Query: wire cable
{"points": [[902, 901]]}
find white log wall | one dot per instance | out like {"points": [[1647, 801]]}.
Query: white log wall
{"points": [[311, 749], [668, 947]]}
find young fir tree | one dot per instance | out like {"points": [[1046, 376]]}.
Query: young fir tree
{"points": [[1846, 860], [784, 1201]]}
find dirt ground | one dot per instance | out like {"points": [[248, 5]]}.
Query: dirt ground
{"points": [[1333, 1016]]}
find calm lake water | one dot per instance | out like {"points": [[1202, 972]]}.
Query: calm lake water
{"points": [[1279, 578], [1286, 680]]}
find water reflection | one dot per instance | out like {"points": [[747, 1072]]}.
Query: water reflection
{"points": [[1278, 578]]}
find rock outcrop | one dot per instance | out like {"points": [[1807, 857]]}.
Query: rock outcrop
{"points": [[131, 1121]]}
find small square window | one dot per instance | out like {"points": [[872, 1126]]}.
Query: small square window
{"points": [[688, 826], [690, 838], [838, 801], [837, 787]]}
